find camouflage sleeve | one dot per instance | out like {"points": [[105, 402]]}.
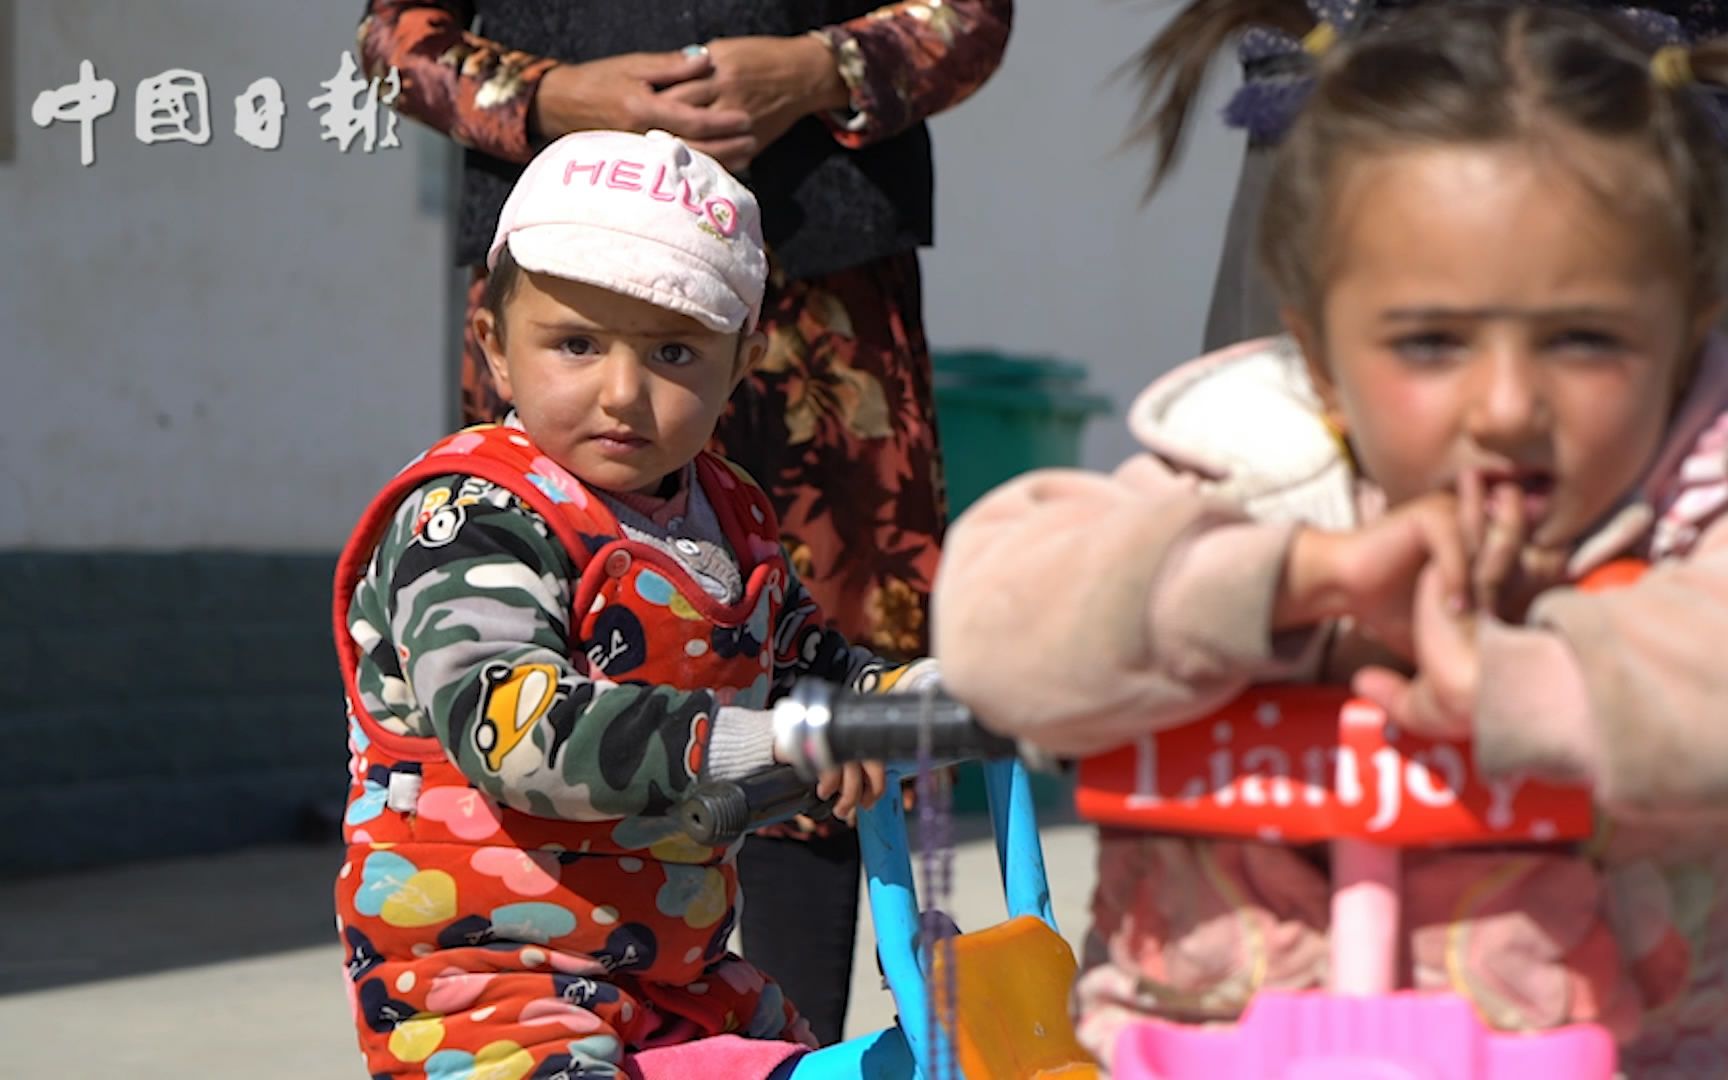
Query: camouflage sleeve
{"points": [[478, 610], [805, 646]]}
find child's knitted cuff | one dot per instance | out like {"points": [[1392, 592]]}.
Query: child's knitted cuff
{"points": [[742, 743]]}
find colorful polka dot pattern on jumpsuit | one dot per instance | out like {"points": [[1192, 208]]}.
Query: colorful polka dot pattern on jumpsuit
{"points": [[483, 942]]}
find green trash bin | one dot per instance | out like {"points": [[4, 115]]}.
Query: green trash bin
{"points": [[1000, 416]]}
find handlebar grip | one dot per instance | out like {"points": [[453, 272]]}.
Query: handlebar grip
{"points": [[717, 813], [820, 727], [889, 727]]}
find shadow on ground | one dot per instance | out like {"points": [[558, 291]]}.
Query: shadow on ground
{"points": [[142, 918], [148, 917]]}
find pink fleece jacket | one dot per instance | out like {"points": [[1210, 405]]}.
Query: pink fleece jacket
{"points": [[1142, 600]]}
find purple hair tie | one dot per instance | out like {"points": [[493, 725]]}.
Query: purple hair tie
{"points": [[1268, 102]]}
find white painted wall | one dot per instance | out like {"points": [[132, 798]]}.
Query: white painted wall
{"points": [[208, 346], [217, 347], [1043, 244]]}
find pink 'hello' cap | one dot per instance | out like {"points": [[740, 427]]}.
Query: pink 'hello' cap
{"points": [[642, 215]]}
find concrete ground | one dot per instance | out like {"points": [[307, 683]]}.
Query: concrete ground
{"points": [[186, 968]]}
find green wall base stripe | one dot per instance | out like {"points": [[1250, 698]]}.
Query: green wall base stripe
{"points": [[164, 704], [118, 821]]}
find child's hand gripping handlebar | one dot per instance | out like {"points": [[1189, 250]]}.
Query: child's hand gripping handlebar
{"points": [[818, 727]]}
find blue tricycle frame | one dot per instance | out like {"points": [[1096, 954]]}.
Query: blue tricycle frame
{"points": [[902, 1051]]}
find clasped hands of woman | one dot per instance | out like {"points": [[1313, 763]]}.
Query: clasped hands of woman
{"points": [[730, 98]]}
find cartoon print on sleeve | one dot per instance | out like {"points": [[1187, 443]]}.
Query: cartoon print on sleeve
{"points": [[478, 610]]}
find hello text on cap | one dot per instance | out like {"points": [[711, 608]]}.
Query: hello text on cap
{"points": [[646, 216]]}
